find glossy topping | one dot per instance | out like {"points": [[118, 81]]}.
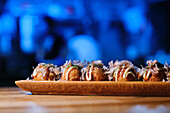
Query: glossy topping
{"points": [[155, 71], [122, 71], [72, 70], [45, 72], [115, 75], [146, 75], [88, 75], [94, 71], [68, 71]]}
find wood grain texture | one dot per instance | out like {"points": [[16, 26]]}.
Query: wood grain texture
{"points": [[96, 88], [15, 100]]}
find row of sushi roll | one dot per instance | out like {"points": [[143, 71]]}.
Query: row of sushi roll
{"points": [[96, 71]]}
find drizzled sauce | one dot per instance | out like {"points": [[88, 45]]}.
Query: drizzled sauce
{"points": [[67, 74], [89, 77], [146, 76], [116, 74], [125, 74]]}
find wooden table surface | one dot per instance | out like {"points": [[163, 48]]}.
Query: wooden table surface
{"points": [[13, 99]]}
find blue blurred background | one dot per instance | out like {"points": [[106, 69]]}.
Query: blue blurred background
{"points": [[52, 31]]}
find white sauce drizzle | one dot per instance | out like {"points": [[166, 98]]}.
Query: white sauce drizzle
{"points": [[115, 74], [130, 73], [34, 73], [83, 72], [64, 71], [37, 71], [88, 77], [121, 71], [144, 75], [67, 74], [125, 73], [148, 74]]}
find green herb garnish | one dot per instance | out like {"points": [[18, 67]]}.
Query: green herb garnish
{"points": [[48, 65], [98, 65]]}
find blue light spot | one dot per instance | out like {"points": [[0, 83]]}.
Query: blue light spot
{"points": [[161, 56], [5, 44], [7, 24], [55, 11], [132, 52], [134, 19], [83, 47], [26, 32], [48, 43]]}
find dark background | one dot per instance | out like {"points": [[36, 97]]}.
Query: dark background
{"points": [[53, 31]]}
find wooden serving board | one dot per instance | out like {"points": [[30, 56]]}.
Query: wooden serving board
{"points": [[96, 88]]}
